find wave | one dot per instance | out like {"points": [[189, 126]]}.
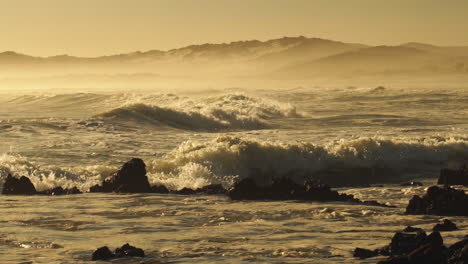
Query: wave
{"points": [[227, 112], [345, 162], [47, 177], [223, 160]]}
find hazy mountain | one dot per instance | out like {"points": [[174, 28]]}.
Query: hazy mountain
{"points": [[289, 56]]}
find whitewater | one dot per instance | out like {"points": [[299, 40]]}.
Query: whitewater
{"points": [[353, 137]]}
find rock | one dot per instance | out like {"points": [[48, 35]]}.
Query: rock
{"points": [[411, 229], [131, 178], [428, 254], [159, 189], [363, 253], [60, 191], [460, 256], [102, 253], [212, 189], [129, 251], [439, 201], [403, 243], [396, 260], [446, 225], [454, 177], [185, 191], [246, 189], [411, 183], [287, 189], [21, 186]]}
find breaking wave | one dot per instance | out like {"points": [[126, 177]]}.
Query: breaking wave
{"points": [[222, 160], [227, 112]]}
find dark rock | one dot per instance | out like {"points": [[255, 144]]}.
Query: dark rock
{"points": [[131, 178], [411, 183], [287, 189], [212, 189], [446, 225], [21, 186], [102, 253], [396, 260], [60, 191], [159, 189], [459, 256], [246, 189], [185, 191], [454, 177], [440, 201], [428, 254], [129, 251], [411, 229], [363, 253], [403, 243]]}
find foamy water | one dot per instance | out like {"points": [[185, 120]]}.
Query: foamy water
{"points": [[194, 139]]}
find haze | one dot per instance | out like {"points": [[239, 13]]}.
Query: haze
{"points": [[95, 28]]}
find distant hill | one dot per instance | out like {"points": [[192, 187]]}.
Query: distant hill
{"points": [[289, 56]]}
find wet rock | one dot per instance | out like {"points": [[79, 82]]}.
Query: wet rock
{"points": [[428, 254], [403, 243], [439, 201], [60, 191], [129, 251], [363, 253], [454, 177], [102, 253], [159, 189], [212, 189], [246, 189], [287, 189], [411, 183], [446, 225], [458, 252], [185, 191], [131, 178], [21, 186], [411, 229]]}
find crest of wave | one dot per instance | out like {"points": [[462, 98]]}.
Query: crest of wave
{"points": [[231, 111], [51, 176], [222, 160]]}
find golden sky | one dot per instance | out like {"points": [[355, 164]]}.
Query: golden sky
{"points": [[101, 27]]}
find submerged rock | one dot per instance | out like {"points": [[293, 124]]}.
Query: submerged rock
{"points": [[418, 248], [439, 201], [131, 178], [454, 177], [21, 186], [287, 189], [446, 225], [159, 189], [60, 191], [104, 253]]}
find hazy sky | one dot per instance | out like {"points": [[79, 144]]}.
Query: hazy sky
{"points": [[98, 27]]}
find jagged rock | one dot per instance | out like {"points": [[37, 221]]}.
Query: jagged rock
{"points": [[458, 252], [131, 178], [159, 189], [129, 251], [403, 243], [454, 177], [439, 201], [363, 253], [102, 253], [21, 186], [446, 225]]}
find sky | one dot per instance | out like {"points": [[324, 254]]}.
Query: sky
{"points": [[104, 27]]}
